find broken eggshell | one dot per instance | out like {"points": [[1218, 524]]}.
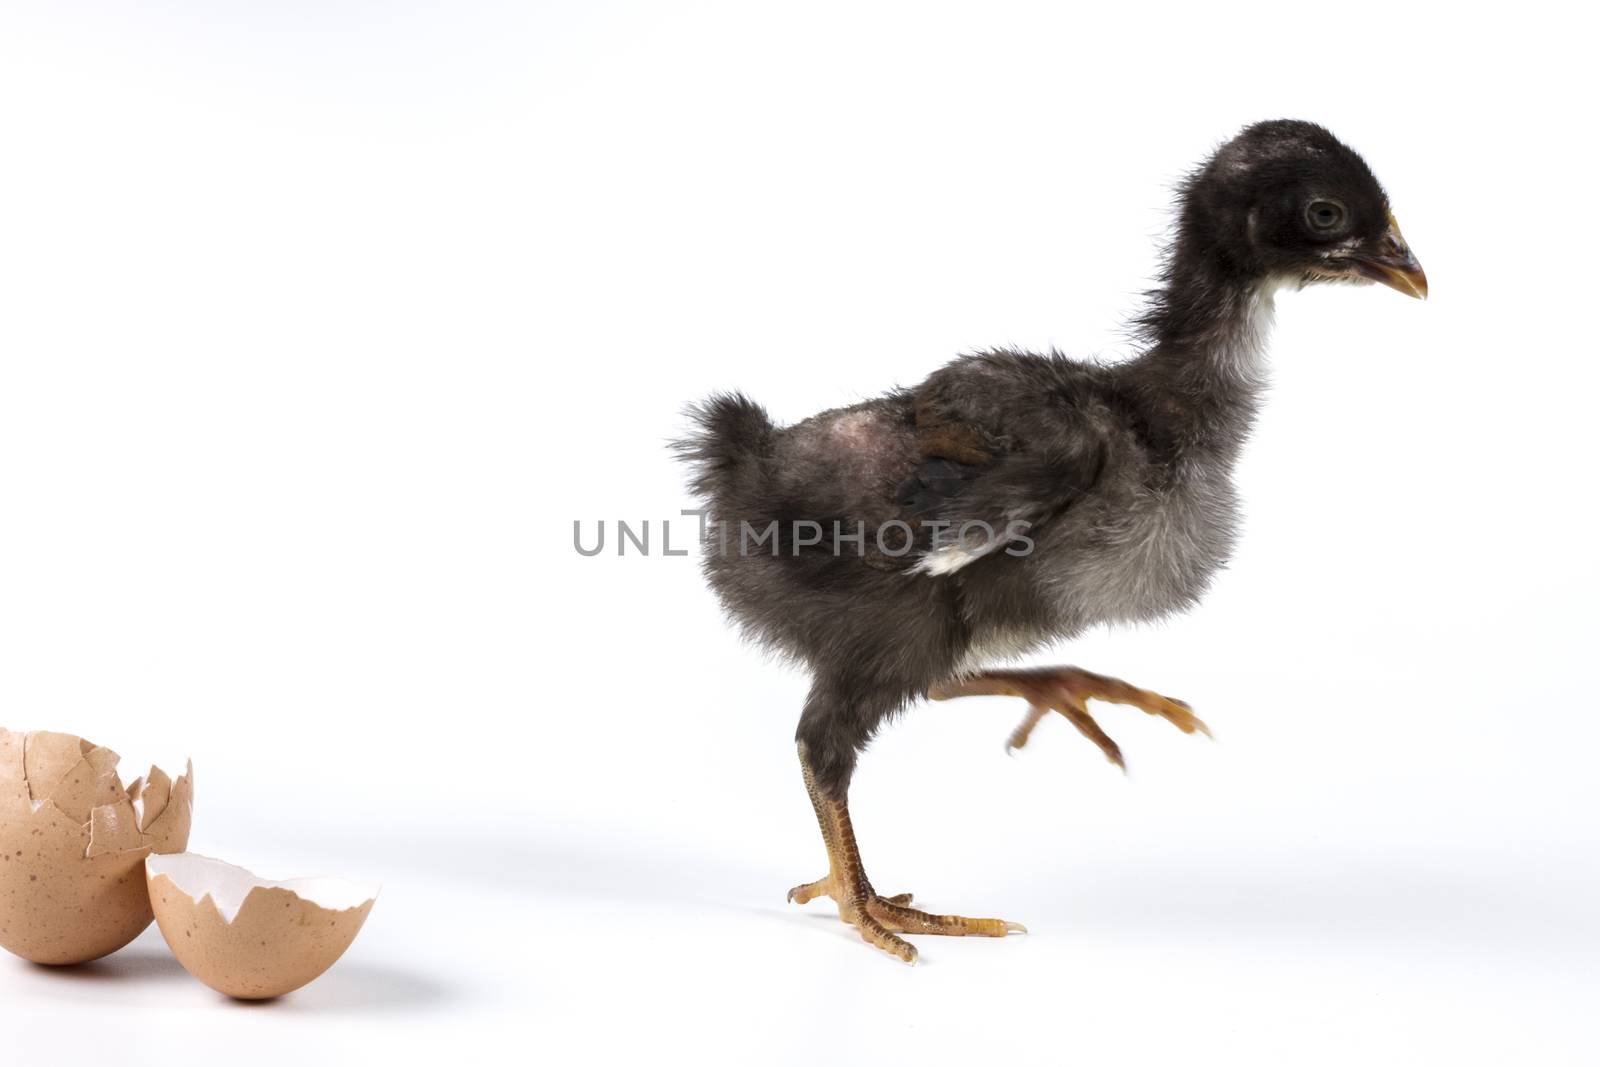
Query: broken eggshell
{"points": [[249, 937], [72, 842]]}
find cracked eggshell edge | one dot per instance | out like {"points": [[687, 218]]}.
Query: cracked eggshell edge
{"points": [[249, 937], [71, 888]]}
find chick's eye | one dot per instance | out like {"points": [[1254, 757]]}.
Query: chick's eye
{"points": [[1324, 215]]}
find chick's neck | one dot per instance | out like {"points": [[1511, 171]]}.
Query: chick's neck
{"points": [[1203, 373]]}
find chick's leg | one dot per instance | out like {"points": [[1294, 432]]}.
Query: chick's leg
{"points": [[879, 919], [1068, 690]]}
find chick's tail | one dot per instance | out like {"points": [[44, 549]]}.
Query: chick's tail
{"points": [[732, 436]]}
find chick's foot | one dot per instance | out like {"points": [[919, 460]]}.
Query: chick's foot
{"points": [[880, 918], [1067, 690]]}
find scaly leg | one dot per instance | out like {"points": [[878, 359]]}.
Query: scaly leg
{"points": [[879, 919], [1068, 691]]}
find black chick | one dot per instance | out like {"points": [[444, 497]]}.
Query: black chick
{"points": [[897, 546]]}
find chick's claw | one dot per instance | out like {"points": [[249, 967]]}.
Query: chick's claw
{"points": [[805, 894], [823, 887], [904, 920], [1019, 736]]}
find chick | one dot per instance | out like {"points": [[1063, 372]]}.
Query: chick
{"points": [[901, 547]]}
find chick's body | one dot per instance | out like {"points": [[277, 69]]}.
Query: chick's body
{"points": [[897, 546]]}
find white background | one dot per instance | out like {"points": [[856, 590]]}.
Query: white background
{"points": [[320, 323]]}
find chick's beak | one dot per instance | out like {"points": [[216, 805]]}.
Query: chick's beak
{"points": [[1390, 261]]}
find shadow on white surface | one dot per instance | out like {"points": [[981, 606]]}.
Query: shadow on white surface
{"points": [[137, 963], [141, 971], [356, 989]]}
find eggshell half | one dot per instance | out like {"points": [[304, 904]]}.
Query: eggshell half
{"points": [[71, 848], [249, 937]]}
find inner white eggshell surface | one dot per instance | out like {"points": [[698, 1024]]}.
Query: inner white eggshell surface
{"points": [[227, 885], [249, 937]]}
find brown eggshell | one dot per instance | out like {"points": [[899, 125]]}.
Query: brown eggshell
{"points": [[11, 783], [91, 782], [152, 791], [246, 936], [48, 756], [72, 889]]}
